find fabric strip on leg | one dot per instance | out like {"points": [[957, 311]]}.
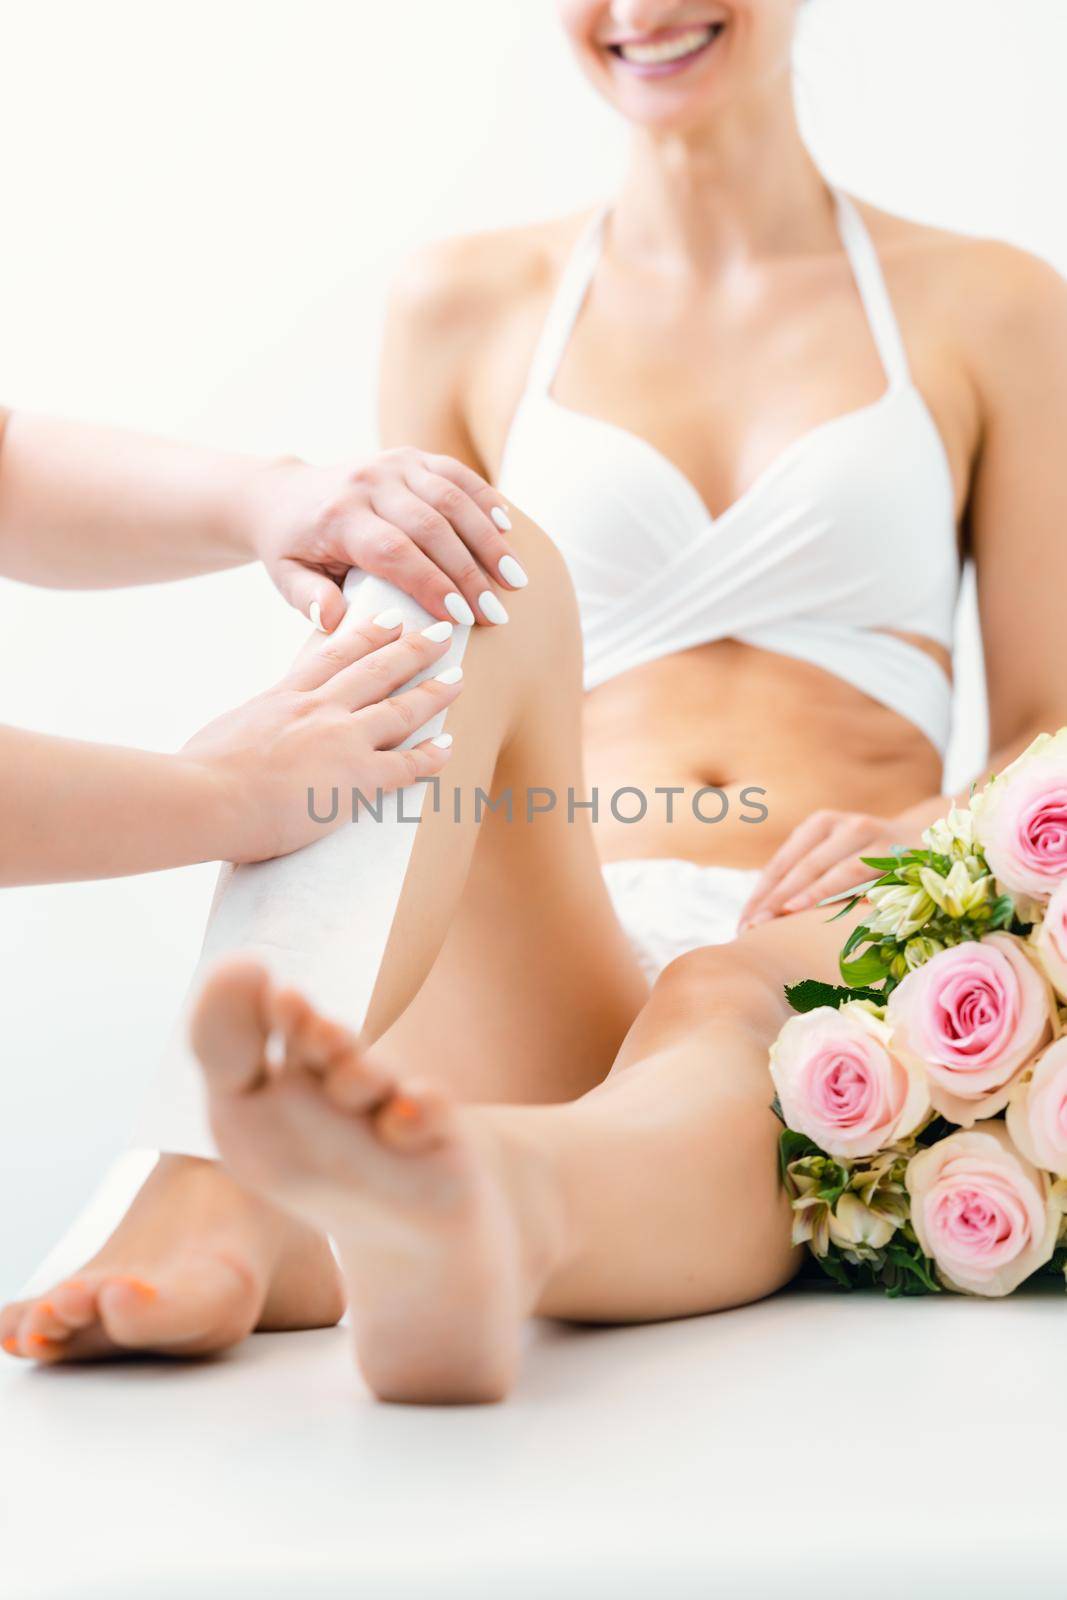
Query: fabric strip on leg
{"points": [[319, 919]]}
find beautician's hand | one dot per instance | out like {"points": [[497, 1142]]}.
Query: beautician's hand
{"points": [[428, 524], [333, 722], [239, 790], [820, 858]]}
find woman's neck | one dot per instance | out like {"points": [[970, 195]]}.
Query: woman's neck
{"points": [[745, 186]]}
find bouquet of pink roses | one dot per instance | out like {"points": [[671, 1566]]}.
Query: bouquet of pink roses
{"points": [[925, 1102]]}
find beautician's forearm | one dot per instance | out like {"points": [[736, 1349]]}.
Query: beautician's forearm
{"points": [[83, 506], [72, 811]]}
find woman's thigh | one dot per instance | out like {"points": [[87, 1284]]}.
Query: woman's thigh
{"points": [[672, 1160]]}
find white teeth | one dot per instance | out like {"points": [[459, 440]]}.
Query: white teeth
{"points": [[656, 55]]}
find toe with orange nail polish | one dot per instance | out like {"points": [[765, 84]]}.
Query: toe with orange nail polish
{"points": [[405, 1108], [11, 1345], [147, 1291], [41, 1341]]}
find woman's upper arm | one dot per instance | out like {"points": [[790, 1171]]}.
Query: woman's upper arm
{"points": [[1018, 508], [431, 342]]}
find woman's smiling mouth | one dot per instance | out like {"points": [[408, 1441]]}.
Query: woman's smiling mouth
{"points": [[667, 51]]}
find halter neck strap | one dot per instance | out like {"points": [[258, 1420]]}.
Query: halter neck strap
{"points": [[578, 274], [567, 302], [870, 281]]}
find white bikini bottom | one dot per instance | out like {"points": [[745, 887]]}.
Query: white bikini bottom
{"points": [[670, 907]]}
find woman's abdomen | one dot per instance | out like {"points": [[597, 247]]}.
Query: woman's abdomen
{"points": [[716, 754]]}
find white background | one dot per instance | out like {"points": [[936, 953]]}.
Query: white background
{"points": [[201, 205]]}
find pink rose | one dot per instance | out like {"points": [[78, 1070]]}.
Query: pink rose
{"points": [[1020, 819], [841, 1085], [981, 1211], [973, 1016], [1050, 941], [1037, 1111]]}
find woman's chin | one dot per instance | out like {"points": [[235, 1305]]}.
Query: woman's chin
{"points": [[669, 113], [685, 101]]}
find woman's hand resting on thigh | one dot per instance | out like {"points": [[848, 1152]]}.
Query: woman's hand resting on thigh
{"points": [[821, 857], [333, 723], [424, 522]]}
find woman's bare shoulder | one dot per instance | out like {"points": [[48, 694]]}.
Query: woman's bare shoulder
{"points": [[990, 288], [456, 284]]}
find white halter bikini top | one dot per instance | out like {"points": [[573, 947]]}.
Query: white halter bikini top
{"points": [[849, 531]]}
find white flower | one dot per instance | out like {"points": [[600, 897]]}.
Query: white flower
{"points": [[952, 835], [956, 893], [856, 1230], [899, 910]]}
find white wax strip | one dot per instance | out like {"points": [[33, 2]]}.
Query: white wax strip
{"points": [[318, 919]]}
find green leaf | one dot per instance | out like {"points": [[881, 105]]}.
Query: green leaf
{"points": [[848, 906], [1003, 912], [884, 863], [908, 1271], [836, 1269], [810, 994], [854, 894], [865, 970], [858, 936]]}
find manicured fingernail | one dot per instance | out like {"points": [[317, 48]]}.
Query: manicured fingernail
{"points": [[11, 1345], [407, 1110], [512, 573], [491, 608], [443, 741], [315, 613], [501, 518], [458, 608], [799, 902], [450, 675], [438, 632], [389, 619], [48, 1308]]}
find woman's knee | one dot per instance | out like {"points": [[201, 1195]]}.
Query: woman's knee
{"points": [[535, 662], [725, 981], [547, 607]]}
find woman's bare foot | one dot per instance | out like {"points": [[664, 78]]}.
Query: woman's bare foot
{"points": [[410, 1187], [194, 1266]]}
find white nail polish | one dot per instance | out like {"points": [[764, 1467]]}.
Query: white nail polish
{"points": [[458, 608], [501, 518], [315, 613], [389, 619], [438, 632], [450, 675], [443, 741], [512, 573], [491, 608]]}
